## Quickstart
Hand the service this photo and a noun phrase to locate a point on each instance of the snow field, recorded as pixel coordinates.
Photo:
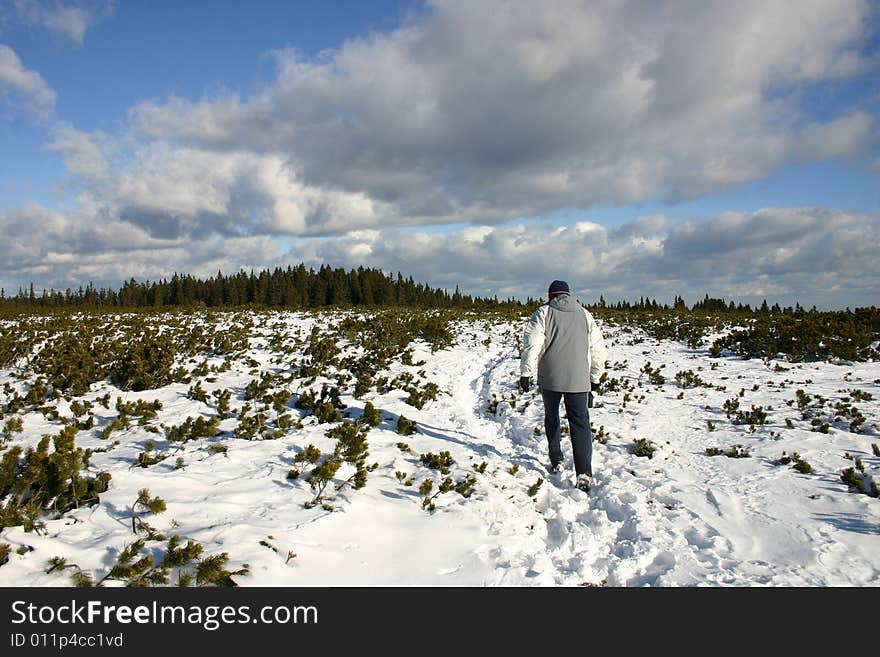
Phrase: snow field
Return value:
(680, 518)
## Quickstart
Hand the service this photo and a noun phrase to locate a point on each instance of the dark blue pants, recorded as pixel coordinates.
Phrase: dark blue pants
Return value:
(578, 423)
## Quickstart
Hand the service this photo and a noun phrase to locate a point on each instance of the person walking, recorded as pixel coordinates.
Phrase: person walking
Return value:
(563, 343)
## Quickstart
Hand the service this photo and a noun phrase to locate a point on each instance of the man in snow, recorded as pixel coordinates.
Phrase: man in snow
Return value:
(564, 342)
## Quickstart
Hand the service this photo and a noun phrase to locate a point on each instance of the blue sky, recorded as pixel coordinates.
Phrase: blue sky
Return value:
(484, 144)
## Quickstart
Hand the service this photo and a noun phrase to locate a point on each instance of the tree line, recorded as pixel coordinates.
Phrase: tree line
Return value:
(302, 287)
(293, 287)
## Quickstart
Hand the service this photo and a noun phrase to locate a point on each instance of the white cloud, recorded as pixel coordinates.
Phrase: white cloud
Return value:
(842, 136)
(87, 155)
(170, 190)
(820, 256)
(489, 110)
(69, 20)
(24, 87)
(483, 112)
(811, 255)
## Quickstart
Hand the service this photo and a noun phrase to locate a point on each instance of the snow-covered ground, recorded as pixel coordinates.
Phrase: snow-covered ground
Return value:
(680, 518)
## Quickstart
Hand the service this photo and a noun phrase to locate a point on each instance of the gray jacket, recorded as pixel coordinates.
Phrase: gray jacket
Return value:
(563, 342)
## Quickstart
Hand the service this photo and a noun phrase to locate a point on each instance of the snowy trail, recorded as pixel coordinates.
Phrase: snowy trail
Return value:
(692, 519)
(680, 518)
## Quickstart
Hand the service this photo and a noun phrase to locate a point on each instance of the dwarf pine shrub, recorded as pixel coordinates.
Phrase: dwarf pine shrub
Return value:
(223, 397)
(134, 570)
(193, 428)
(644, 447)
(533, 489)
(371, 416)
(731, 406)
(69, 363)
(197, 393)
(425, 491)
(41, 482)
(141, 409)
(351, 448)
(306, 400)
(405, 427)
(653, 374)
(442, 461)
(803, 403)
(851, 479)
(465, 487)
(148, 457)
(11, 427)
(326, 413)
(321, 477)
(145, 363)
(800, 464)
(427, 486)
(688, 379)
(80, 408)
(757, 415)
(419, 398)
(251, 426)
(211, 571)
(143, 504)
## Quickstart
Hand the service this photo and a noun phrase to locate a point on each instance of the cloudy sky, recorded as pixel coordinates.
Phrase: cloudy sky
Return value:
(628, 146)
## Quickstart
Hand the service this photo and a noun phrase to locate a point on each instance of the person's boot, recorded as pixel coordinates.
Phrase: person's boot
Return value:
(584, 482)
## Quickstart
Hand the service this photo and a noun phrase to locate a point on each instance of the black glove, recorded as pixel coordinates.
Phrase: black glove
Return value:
(525, 384)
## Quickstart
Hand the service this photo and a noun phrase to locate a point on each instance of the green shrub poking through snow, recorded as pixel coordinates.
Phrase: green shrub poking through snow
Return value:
(856, 480)
(145, 363)
(36, 482)
(405, 427)
(136, 570)
(735, 452)
(644, 447)
(371, 415)
(145, 503)
(533, 489)
(442, 461)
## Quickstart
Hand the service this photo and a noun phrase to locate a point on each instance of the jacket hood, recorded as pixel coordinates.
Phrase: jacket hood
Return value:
(565, 303)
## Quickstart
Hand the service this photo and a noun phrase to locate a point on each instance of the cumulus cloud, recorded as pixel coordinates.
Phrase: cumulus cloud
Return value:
(23, 87)
(791, 254)
(69, 21)
(483, 111)
(87, 155)
(67, 249)
(170, 191)
(810, 255)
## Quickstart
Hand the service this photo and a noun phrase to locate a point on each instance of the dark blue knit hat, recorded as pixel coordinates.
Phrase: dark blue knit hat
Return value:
(558, 287)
